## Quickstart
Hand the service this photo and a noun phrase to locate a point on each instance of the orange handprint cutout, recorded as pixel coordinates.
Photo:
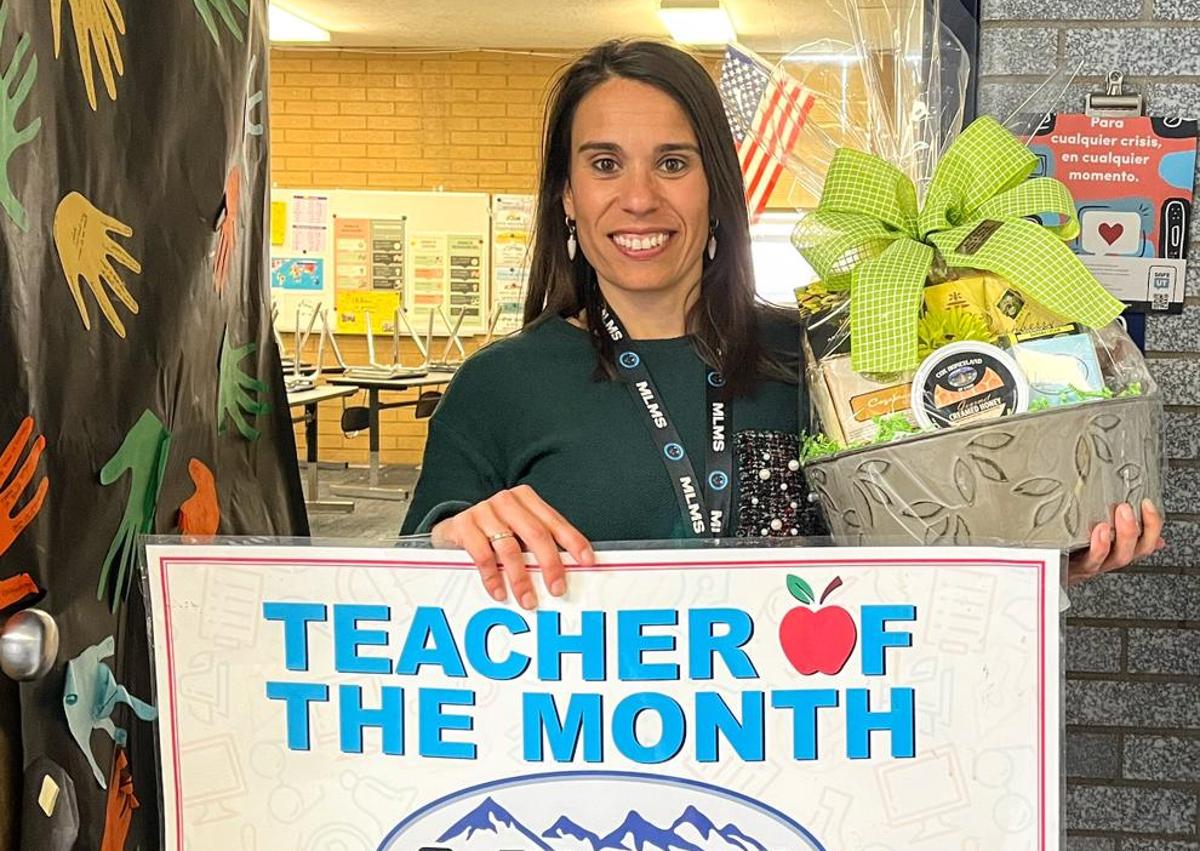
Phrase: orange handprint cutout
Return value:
(119, 805)
(227, 243)
(11, 525)
(200, 513)
(18, 592)
(86, 250)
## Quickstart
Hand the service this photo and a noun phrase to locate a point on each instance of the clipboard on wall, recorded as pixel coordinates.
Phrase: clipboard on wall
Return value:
(1133, 180)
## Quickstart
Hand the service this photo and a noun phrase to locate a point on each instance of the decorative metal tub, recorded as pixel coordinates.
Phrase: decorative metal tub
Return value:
(1039, 480)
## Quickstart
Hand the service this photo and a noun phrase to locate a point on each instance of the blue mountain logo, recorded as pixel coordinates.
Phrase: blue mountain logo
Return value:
(638, 834)
(706, 829)
(490, 817)
(490, 826)
(564, 828)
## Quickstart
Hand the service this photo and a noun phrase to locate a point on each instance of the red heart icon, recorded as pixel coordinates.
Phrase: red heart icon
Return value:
(1111, 233)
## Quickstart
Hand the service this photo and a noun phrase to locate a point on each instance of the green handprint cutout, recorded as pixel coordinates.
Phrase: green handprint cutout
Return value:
(233, 400)
(205, 8)
(10, 137)
(143, 454)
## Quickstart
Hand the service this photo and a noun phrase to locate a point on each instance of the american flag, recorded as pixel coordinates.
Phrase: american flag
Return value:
(766, 110)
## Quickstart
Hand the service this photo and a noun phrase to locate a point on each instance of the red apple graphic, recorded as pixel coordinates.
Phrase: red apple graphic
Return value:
(820, 640)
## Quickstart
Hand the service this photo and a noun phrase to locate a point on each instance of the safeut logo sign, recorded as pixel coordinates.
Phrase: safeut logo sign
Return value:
(820, 639)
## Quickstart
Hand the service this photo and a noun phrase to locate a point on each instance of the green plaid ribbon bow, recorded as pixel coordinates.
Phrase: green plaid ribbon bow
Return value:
(867, 235)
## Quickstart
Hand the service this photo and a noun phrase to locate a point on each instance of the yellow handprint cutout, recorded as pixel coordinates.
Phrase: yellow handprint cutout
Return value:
(98, 23)
(81, 234)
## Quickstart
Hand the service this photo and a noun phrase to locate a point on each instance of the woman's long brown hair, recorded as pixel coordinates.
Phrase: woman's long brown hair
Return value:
(724, 320)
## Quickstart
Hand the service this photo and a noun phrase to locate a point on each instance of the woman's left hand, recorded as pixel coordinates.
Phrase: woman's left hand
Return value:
(1112, 551)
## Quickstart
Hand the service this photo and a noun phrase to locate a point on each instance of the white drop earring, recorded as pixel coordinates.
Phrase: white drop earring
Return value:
(572, 245)
(712, 240)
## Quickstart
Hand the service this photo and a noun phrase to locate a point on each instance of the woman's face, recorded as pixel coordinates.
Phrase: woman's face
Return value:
(637, 188)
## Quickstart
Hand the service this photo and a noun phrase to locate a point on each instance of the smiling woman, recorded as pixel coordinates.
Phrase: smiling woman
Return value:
(649, 396)
(637, 148)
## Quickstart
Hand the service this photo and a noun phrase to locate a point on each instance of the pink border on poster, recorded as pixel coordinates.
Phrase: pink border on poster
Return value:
(1040, 566)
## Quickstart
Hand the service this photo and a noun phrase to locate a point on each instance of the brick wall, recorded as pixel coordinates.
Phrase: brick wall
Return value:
(1133, 638)
(458, 121)
(462, 121)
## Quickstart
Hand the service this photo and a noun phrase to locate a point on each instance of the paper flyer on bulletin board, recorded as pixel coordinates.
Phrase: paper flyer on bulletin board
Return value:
(354, 306)
(351, 254)
(310, 223)
(279, 223)
(1133, 180)
(388, 254)
(512, 224)
(466, 277)
(847, 699)
(369, 257)
(427, 258)
(298, 273)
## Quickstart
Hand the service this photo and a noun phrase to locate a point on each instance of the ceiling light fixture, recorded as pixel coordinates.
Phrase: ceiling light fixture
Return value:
(699, 22)
(286, 26)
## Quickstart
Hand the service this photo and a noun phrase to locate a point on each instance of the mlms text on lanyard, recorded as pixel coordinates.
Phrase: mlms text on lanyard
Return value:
(704, 506)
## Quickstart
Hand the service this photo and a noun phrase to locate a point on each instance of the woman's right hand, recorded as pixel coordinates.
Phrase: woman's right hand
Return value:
(495, 532)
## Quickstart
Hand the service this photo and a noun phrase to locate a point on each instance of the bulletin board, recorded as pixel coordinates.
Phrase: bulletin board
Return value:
(362, 251)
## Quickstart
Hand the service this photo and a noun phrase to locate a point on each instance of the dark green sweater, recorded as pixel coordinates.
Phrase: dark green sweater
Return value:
(526, 410)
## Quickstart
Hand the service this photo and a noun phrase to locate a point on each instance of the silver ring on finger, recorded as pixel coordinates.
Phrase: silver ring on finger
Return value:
(500, 536)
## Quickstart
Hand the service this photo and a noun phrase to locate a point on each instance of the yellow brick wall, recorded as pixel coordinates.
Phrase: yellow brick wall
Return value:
(464, 121)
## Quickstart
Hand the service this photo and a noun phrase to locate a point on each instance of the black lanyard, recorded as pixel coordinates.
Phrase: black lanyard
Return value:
(704, 505)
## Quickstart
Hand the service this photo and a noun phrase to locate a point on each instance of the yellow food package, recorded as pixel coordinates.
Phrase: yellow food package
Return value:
(848, 402)
(992, 299)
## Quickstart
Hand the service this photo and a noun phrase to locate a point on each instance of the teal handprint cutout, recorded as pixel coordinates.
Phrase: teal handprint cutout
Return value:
(11, 101)
(206, 7)
(235, 389)
(90, 695)
(253, 100)
(143, 454)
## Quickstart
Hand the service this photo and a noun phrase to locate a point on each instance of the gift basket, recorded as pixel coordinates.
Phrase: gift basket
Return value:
(969, 378)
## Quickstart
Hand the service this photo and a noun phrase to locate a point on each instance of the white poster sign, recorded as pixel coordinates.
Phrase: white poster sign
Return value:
(769, 699)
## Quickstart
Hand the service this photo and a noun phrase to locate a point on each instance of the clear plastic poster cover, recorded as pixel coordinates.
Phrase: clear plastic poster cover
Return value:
(375, 696)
